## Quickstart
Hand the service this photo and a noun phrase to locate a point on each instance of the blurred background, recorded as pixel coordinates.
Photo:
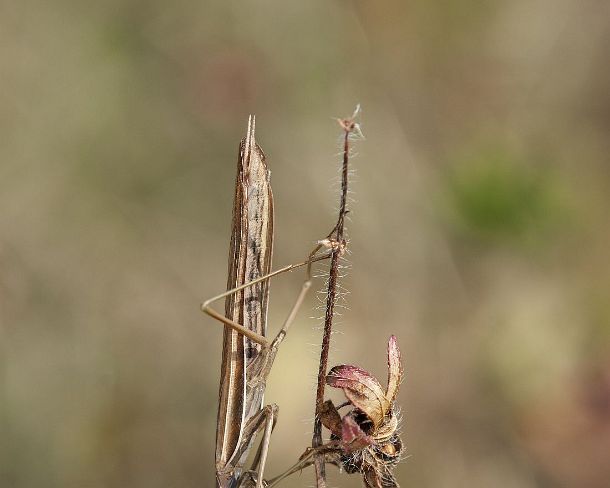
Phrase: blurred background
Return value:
(479, 230)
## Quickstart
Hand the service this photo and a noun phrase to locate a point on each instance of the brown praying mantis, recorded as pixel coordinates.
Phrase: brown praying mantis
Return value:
(247, 354)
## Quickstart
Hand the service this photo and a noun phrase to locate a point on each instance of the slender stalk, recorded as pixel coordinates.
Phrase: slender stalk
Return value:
(337, 240)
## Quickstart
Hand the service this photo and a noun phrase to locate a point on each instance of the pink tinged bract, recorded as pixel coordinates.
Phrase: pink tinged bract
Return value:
(364, 391)
(361, 389)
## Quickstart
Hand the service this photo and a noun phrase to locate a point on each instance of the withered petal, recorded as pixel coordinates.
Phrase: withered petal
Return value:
(330, 418)
(389, 481)
(371, 478)
(361, 389)
(395, 370)
(352, 436)
(379, 477)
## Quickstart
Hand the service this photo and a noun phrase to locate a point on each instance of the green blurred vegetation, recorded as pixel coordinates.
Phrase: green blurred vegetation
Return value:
(496, 196)
(478, 231)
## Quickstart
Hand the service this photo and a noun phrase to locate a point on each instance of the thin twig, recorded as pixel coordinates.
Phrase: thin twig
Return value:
(337, 242)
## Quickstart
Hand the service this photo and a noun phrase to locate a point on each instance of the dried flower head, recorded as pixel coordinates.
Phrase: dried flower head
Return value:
(367, 436)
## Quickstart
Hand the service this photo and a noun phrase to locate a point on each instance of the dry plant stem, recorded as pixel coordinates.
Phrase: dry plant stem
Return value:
(337, 235)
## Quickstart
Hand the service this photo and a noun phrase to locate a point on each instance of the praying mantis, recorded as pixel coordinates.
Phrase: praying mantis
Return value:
(247, 353)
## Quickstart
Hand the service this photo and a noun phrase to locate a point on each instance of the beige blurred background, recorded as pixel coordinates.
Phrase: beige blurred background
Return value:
(479, 229)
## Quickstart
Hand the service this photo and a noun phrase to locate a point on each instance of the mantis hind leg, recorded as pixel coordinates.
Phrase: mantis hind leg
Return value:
(263, 421)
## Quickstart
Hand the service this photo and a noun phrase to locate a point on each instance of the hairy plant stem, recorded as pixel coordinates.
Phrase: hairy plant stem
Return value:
(337, 239)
